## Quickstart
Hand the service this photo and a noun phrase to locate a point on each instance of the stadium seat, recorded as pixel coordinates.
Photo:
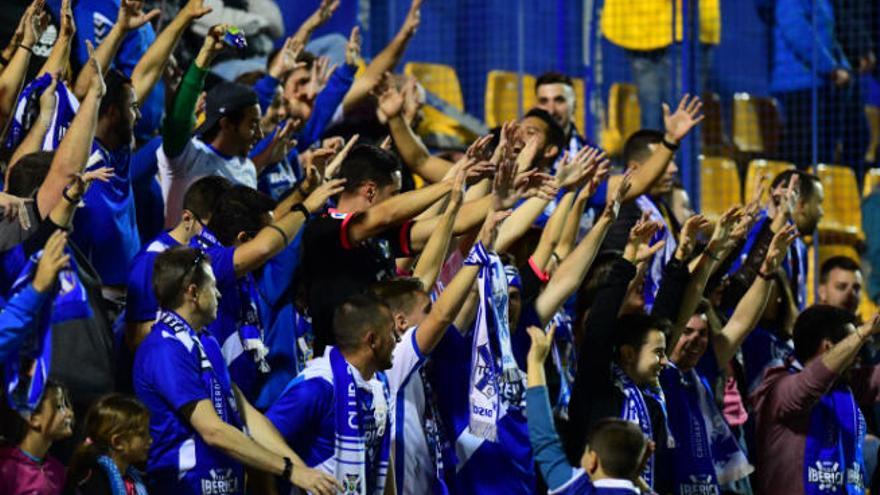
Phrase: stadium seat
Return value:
(866, 306)
(843, 214)
(756, 124)
(580, 105)
(624, 117)
(715, 141)
(719, 186)
(502, 93)
(872, 180)
(442, 81)
(759, 168)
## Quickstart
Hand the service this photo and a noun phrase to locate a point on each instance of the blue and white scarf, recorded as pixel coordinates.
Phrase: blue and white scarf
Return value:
(706, 452)
(117, 484)
(658, 262)
(26, 374)
(220, 389)
(250, 329)
(495, 376)
(305, 340)
(635, 410)
(351, 454)
(833, 460)
(27, 110)
(564, 359)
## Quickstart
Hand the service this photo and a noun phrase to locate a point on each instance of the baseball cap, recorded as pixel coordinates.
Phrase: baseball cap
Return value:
(224, 99)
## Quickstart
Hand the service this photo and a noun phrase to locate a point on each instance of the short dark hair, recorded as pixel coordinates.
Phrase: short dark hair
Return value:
(398, 294)
(817, 323)
(555, 132)
(116, 83)
(634, 328)
(806, 182)
(241, 209)
(355, 317)
(620, 445)
(202, 195)
(233, 116)
(174, 270)
(553, 78)
(837, 262)
(637, 146)
(28, 173)
(365, 163)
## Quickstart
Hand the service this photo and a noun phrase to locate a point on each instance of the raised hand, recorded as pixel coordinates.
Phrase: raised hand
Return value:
(778, 249)
(353, 47)
(52, 261)
(412, 100)
(333, 167)
(314, 481)
(413, 19)
(637, 248)
(36, 23)
(685, 118)
(48, 101)
(212, 45)
(541, 343)
(68, 26)
(723, 240)
(612, 208)
(321, 71)
(322, 193)
(285, 61)
(489, 230)
(687, 239)
(534, 184)
(131, 15)
(527, 154)
(871, 326)
(96, 84)
(390, 102)
(195, 9)
(12, 206)
(280, 145)
(326, 10)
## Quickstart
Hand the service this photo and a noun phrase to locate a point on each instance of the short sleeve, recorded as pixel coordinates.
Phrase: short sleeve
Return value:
(223, 264)
(140, 302)
(299, 409)
(406, 361)
(399, 240)
(176, 374)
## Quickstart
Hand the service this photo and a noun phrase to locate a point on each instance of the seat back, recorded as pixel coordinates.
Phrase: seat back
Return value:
(720, 186)
(502, 94)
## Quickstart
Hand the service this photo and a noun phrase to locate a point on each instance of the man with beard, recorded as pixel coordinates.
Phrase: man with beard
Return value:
(840, 283)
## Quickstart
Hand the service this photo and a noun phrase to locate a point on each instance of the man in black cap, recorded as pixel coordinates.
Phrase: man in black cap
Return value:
(223, 141)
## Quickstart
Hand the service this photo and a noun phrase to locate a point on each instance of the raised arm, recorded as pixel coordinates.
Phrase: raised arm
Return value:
(750, 308)
(60, 54)
(319, 17)
(386, 60)
(180, 121)
(270, 240)
(33, 140)
(151, 65)
(73, 152)
(678, 125)
(129, 18)
(434, 253)
(13, 75)
(447, 306)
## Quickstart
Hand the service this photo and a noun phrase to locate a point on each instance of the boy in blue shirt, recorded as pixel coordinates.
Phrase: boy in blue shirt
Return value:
(198, 416)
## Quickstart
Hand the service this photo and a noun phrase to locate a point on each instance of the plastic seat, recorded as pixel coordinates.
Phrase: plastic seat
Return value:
(624, 117)
(715, 142)
(827, 251)
(442, 81)
(756, 124)
(872, 180)
(502, 94)
(843, 213)
(759, 168)
(580, 104)
(719, 186)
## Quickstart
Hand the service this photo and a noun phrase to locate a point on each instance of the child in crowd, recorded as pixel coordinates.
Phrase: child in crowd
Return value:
(25, 466)
(117, 429)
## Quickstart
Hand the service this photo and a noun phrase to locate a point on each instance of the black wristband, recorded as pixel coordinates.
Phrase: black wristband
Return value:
(765, 276)
(283, 234)
(302, 209)
(668, 145)
(288, 469)
(68, 198)
(28, 48)
(3, 60)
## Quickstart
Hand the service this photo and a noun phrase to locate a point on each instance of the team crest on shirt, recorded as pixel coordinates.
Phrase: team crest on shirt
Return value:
(220, 482)
(351, 485)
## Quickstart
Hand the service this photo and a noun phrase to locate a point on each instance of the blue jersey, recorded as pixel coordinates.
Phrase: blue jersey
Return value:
(140, 302)
(167, 377)
(105, 229)
(506, 466)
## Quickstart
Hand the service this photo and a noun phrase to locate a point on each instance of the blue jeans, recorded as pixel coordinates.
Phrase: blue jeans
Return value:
(657, 74)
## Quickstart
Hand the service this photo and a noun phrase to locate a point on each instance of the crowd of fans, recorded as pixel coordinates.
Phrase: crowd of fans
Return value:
(250, 295)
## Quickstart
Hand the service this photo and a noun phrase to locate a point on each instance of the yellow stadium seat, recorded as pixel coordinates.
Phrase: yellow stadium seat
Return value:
(872, 180)
(624, 117)
(843, 213)
(442, 81)
(502, 91)
(719, 186)
(765, 168)
(580, 104)
(866, 306)
(756, 124)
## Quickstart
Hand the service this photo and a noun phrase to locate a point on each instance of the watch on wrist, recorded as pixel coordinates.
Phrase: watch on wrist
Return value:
(670, 145)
